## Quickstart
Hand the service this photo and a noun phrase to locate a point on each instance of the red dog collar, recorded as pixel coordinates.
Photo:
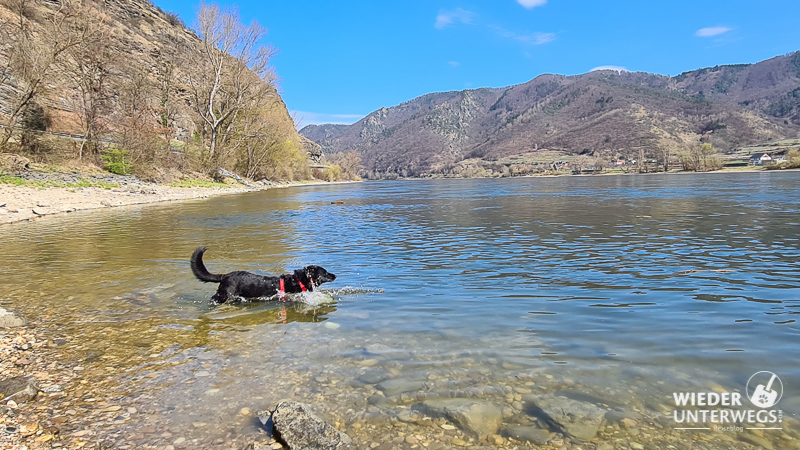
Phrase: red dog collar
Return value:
(282, 287)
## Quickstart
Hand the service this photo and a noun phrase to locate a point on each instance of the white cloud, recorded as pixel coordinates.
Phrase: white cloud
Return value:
(530, 4)
(454, 63)
(449, 17)
(711, 31)
(303, 118)
(526, 38)
(542, 38)
(616, 68)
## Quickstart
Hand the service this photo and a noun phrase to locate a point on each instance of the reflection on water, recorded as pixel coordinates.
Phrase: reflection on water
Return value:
(272, 312)
(623, 289)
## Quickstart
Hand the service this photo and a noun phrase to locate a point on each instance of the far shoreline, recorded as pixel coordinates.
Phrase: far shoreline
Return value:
(24, 203)
(602, 174)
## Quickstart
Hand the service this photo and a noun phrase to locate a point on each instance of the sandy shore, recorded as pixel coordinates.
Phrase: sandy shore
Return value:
(19, 203)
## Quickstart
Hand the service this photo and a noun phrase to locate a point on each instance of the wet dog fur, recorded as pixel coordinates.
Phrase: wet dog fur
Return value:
(247, 285)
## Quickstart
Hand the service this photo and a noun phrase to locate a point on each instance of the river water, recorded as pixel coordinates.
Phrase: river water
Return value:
(616, 291)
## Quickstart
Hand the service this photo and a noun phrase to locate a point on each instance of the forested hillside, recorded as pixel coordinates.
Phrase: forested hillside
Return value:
(139, 92)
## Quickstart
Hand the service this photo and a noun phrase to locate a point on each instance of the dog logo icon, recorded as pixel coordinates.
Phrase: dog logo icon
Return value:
(764, 395)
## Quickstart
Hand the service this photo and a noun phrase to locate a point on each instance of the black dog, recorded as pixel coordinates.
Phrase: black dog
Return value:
(249, 285)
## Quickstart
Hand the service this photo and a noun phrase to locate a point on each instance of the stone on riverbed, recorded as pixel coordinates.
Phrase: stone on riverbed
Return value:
(530, 434)
(623, 416)
(475, 417)
(374, 376)
(378, 400)
(20, 389)
(398, 386)
(9, 319)
(756, 441)
(298, 428)
(578, 420)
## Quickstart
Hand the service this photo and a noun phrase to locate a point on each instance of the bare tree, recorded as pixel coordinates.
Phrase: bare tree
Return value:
(599, 164)
(6, 48)
(349, 161)
(166, 71)
(688, 160)
(32, 54)
(665, 149)
(232, 71)
(581, 163)
(255, 137)
(135, 122)
(699, 158)
(641, 162)
(88, 69)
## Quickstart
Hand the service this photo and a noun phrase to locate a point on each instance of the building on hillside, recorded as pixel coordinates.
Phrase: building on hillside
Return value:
(759, 159)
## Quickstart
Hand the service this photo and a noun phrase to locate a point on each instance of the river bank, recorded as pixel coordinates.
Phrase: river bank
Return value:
(35, 194)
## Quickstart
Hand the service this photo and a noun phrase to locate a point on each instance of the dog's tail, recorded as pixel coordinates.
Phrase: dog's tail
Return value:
(199, 269)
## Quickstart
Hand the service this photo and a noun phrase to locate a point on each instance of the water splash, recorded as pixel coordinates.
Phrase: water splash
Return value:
(350, 290)
(314, 298)
(323, 297)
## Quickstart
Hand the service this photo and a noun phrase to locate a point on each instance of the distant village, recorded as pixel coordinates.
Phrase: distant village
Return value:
(741, 159)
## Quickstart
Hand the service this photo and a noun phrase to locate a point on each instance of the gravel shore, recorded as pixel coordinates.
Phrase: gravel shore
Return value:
(26, 419)
(19, 203)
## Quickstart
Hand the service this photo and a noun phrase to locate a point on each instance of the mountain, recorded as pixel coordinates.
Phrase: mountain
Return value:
(318, 133)
(604, 114)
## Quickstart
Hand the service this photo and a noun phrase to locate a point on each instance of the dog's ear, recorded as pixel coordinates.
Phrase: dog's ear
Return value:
(311, 272)
(319, 274)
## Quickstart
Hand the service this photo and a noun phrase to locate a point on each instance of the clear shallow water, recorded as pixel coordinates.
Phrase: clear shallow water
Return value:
(623, 288)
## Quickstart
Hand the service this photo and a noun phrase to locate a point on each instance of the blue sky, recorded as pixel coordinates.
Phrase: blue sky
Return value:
(341, 60)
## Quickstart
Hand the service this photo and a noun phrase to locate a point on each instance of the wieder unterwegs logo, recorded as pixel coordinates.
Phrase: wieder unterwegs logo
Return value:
(725, 411)
(764, 395)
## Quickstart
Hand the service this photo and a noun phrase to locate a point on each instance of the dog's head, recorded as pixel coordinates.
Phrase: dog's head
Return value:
(318, 274)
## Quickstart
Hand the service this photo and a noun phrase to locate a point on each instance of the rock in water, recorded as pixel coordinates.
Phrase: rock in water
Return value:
(20, 389)
(374, 376)
(9, 320)
(475, 417)
(579, 420)
(527, 433)
(298, 428)
(398, 386)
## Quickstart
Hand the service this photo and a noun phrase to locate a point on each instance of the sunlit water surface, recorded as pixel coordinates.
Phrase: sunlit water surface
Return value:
(624, 289)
